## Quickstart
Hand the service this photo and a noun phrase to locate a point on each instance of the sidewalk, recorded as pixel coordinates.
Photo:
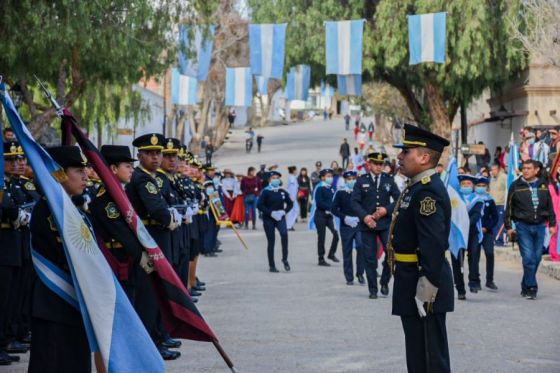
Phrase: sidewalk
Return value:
(547, 266)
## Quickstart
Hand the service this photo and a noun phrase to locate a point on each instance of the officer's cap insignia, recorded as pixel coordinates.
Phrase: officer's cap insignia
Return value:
(151, 187)
(153, 140)
(13, 149)
(379, 157)
(427, 206)
(29, 186)
(112, 212)
(425, 180)
(170, 144)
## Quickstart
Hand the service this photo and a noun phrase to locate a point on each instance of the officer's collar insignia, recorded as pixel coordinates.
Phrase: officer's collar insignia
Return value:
(153, 140)
(112, 212)
(170, 144)
(151, 188)
(425, 180)
(427, 206)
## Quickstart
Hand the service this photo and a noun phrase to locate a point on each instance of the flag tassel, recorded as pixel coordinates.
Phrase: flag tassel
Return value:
(224, 355)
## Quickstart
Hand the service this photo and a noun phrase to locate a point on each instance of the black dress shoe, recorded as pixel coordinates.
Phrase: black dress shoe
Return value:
(333, 258)
(287, 266)
(491, 285)
(473, 289)
(322, 263)
(5, 358)
(462, 296)
(210, 255)
(200, 283)
(168, 355)
(194, 293)
(171, 343)
(292, 229)
(373, 296)
(16, 348)
(218, 251)
(273, 270)
(361, 279)
(349, 283)
(194, 300)
(384, 290)
(199, 288)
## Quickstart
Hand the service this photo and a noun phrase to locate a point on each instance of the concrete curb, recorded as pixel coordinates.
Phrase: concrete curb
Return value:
(547, 266)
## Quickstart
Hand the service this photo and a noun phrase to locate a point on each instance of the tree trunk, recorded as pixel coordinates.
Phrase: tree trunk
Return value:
(441, 125)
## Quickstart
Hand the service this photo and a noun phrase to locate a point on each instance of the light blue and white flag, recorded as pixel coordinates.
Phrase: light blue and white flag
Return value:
(326, 90)
(512, 165)
(426, 37)
(298, 81)
(344, 41)
(349, 85)
(262, 84)
(460, 223)
(183, 88)
(195, 55)
(239, 86)
(266, 49)
(112, 326)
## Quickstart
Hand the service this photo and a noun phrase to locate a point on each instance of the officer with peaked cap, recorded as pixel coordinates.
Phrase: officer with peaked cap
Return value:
(373, 200)
(418, 240)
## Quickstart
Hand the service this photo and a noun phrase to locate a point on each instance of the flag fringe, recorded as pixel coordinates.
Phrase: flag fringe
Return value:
(60, 175)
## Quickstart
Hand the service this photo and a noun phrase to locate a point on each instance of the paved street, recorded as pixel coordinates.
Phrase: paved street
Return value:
(309, 320)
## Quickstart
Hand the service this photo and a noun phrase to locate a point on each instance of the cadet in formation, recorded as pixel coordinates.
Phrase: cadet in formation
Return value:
(373, 200)
(321, 216)
(419, 233)
(274, 202)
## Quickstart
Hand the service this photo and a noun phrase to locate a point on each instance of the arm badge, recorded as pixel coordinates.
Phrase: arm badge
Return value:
(29, 186)
(112, 212)
(151, 188)
(427, 206)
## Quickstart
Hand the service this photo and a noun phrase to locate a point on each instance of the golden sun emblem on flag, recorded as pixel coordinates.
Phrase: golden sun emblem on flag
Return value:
(454, 203)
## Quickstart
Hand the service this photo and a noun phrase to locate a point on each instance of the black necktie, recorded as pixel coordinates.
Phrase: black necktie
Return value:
(375, 181)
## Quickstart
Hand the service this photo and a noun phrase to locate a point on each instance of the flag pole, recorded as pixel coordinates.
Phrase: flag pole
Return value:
(224, 355)
(239, 236)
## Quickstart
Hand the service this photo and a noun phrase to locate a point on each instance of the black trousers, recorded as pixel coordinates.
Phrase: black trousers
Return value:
(474, 259)
(369, 252)
(58, 348)
(488, 246)
(322, 222)
(350, 236)
(457, 265)
(269, 226)
(8, 274)
(427, 350)
(303, 206)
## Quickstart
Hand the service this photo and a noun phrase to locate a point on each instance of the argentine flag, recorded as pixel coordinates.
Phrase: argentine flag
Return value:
(349, 85)
(195, 56)
(459, 234)
(183, 89)
(112, 326)
(326, 90)
(344, 41)
(298, 81)
(266, 49)
(426, 37)
(262, 85)
(239, 86)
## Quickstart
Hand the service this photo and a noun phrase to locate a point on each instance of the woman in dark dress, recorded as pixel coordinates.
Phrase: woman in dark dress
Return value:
(303, 193)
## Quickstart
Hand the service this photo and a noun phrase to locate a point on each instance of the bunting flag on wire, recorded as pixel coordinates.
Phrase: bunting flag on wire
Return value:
(426, 37)
(266, 49)
(298, 81)
(239, 86)
(349, 85)
(326, 90)
(183, 89)
(198, 65)
(344, 41)
(112, 326)
(262, 84)
(460, 223)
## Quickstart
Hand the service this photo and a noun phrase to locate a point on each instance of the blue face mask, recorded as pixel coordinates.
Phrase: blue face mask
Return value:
(275, 183)
(466, 190)
(329, 180)
(531, 141)
(480, 190)
(350, 183)
(216, 181)
(209, 190)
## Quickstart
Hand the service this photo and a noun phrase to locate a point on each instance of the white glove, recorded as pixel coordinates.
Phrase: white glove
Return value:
(176, 219)
(352, 221)
(426, 292)
(278, 214)
(420, 306)
(146, 263)
(196, 208)
(22, 220)
(188, 214)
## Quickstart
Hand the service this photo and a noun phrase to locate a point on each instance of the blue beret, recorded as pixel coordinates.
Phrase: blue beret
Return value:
(350, 174)
(325, 171)
(467, 177)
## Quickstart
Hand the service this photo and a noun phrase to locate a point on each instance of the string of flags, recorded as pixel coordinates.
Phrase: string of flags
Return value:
(343, 55)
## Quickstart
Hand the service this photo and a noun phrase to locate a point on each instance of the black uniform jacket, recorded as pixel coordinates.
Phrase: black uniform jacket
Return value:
(422, 227)
(273, 200)
(10, 238)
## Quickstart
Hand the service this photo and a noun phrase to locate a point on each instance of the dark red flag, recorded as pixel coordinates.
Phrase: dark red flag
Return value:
(180, 315)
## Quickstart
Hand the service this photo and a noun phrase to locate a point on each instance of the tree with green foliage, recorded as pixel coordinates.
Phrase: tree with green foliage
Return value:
(89, 53)
(480, 51)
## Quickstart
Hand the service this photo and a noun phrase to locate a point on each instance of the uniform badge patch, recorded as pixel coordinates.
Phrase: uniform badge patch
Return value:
(151, 187)
(29, 186)
(427, 206)
(112, 212)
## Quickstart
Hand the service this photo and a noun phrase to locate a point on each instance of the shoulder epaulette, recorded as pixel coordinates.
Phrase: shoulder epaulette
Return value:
(426, 180)
(101, 191)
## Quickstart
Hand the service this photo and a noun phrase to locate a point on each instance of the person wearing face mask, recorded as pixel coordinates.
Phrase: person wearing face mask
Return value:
(211, 242)
(373, 200)
(350, 235)
(489, 222)
(321, 216)
(274, 202)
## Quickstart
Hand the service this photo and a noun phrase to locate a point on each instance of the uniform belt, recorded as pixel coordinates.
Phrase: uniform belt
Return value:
(406, 258)
(113, 245)
(5, 226)
(150, 222)
(201, 212)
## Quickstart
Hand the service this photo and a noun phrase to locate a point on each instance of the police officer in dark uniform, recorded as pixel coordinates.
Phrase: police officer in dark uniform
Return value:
(373, 200)
(349, 233)
(423, 285)
(323, 219)
(274, 202)
(60, 342)
(111, 226)
(160, 219)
